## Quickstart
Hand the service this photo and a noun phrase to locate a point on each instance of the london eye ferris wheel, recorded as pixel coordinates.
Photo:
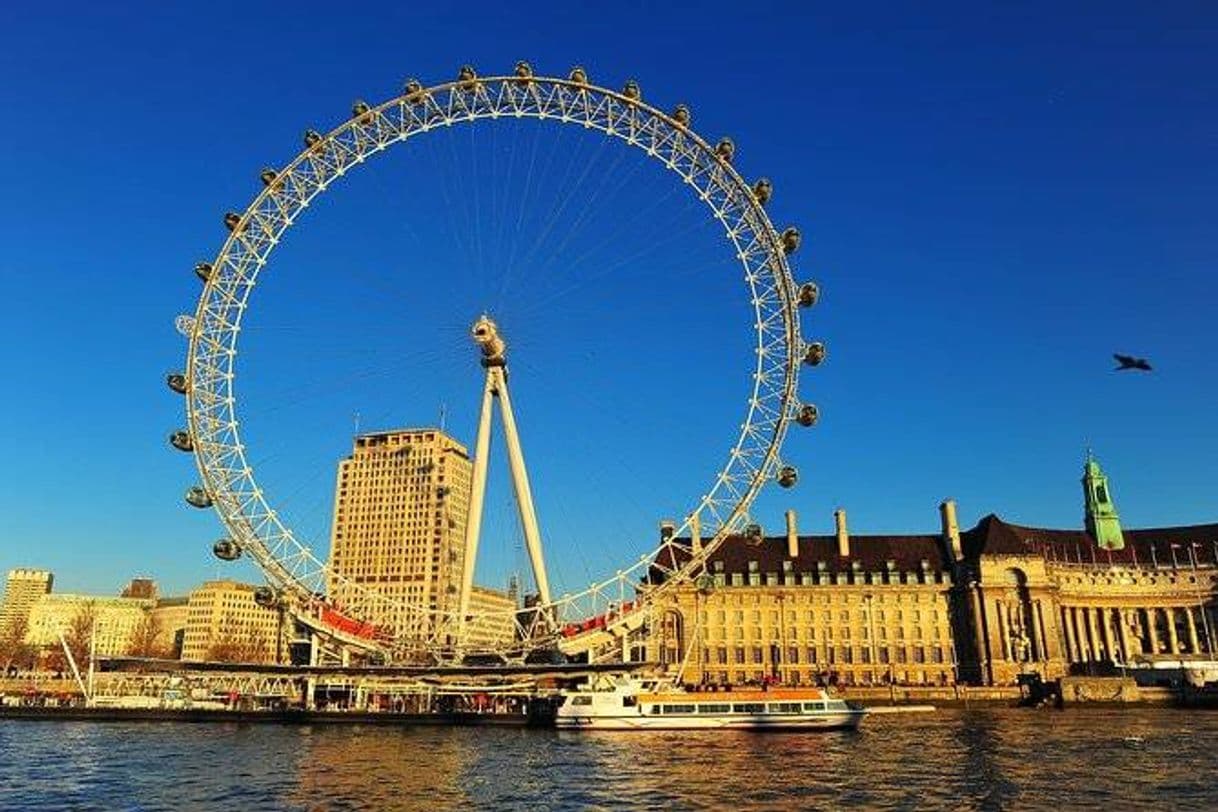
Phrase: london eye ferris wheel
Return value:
(596, 617)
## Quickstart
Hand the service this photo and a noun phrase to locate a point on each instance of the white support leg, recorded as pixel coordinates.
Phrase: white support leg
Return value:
(524, 495)
(473, 524)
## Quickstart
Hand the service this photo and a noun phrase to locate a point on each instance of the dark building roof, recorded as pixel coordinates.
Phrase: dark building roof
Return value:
(990, 536)
(1145, 546)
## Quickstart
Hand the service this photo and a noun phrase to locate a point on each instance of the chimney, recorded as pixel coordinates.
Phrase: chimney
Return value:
(695, 533)
(843, 538)
(792, 536)
(951, 530)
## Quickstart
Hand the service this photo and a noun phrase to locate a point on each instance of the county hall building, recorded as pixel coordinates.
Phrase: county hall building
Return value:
(977, 606)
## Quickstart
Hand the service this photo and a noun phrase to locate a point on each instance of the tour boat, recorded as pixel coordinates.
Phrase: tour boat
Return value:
(634, 704)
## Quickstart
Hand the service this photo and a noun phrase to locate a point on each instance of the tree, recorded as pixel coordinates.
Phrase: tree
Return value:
(79, 636)
(239, 644)
(146, 638)
(14, 651)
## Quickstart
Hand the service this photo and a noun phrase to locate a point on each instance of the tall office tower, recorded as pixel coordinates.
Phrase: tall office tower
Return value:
(22, 589)
(401, 502)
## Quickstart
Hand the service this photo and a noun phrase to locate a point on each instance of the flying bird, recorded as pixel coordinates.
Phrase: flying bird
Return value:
(1125, 362)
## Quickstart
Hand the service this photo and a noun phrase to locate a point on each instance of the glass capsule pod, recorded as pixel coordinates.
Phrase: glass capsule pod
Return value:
(814, 354)
(360, 110)
(232, 220)
(414, 91)
(265, 596)
(578, 75)
(753, 533)
(681, 115)
(763, 190)
(198, 497)
(808, 415)
(182, 441)
(808, 294)
(176, 382)
(524, 72)
(791, 240)
(312, 138)
(203, 271)
(787, 476)
(467, 77)
(267, 176)
(226, 550)
(726, 150)
(632, 91)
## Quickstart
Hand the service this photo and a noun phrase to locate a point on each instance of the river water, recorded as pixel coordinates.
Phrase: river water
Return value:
(952, 759)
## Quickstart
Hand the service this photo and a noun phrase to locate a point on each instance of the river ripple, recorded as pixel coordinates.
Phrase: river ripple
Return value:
(953, 759)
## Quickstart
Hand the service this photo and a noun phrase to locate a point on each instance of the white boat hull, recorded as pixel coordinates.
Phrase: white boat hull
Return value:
(835, 720)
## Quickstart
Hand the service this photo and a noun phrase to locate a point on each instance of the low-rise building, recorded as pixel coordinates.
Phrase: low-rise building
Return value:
(224, 622)
(111, 622)
(492, 622)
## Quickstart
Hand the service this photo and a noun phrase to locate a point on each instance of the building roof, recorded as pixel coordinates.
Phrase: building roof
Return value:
(990, 536)
(993, 536)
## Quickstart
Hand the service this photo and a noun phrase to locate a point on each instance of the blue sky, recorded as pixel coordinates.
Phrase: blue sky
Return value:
(994, 200)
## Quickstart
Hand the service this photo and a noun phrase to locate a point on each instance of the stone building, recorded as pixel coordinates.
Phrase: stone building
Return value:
(982, 606)
(223, 622)
(491, 624)
(401, 503)
(169, 617)
(22, 589)
(116, 620)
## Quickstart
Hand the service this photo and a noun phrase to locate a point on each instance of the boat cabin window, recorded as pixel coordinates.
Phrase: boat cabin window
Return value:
(749, 707)
(714, 707)
(678, 708)
(784, 707)
(582, 700)
(629, 701)
(814, 706)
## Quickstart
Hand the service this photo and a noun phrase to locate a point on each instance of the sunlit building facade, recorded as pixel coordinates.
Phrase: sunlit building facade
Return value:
(223, 621)
(987, 605)
(401, 503)
(22, 588)
(112, 621)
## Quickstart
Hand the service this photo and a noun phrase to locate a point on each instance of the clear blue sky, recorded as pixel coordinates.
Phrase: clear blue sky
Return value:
(993, 199)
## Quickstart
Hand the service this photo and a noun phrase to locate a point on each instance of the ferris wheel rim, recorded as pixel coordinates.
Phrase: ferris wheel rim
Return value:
(284, 562)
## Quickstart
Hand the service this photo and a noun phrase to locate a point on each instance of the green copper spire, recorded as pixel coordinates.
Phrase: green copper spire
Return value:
(1103, 523)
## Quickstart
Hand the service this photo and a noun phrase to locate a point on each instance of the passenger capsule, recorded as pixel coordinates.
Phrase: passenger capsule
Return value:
(232, 220)
(360, 109)
(414, 91)
(791, 240)
(578, 75)
(763, 190)
(681, 115)
(177, 382)
(267, 176)
(312, 138)
(524, 72)
(787, 476)
(808, 415)
(726, 150)
(753, 534)
(808, 295)
(467, 77)
(203, 271)
(181, 441)
(632, 91)
(814, 354)
(197, 497)
(226, 550)
(265, 596)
